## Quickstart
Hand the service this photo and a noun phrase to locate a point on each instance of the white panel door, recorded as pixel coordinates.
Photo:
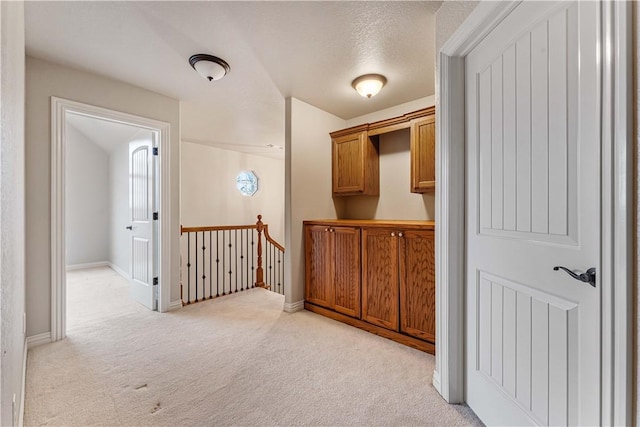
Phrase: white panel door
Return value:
(533, 203)
(141, 203)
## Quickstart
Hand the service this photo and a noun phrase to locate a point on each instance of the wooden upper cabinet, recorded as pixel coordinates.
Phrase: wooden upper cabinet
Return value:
(346, 269)
(355, 165)
(319, 284)
(380, 277)
(417, 284)
(355, 161)
(423, 154)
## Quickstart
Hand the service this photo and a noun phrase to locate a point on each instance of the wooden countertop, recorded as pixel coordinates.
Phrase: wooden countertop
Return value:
(373, 223)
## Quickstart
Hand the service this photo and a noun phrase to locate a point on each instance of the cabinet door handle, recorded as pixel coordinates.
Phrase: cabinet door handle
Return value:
(400, 234)
(331, 230)
(326, 229)
(393, 234)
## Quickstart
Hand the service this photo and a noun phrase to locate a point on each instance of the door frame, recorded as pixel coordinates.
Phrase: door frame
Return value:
(616, 210)
(59, 108)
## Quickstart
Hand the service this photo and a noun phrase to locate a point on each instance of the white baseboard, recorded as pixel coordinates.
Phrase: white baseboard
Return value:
(36, 340)
(436, 381)
(24, 385)
(119, 270)
(292, 307)
(175, 305)
(87, 265)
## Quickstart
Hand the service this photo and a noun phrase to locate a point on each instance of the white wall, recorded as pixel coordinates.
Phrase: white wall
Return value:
(119, 247)
(209, 195)
(87, 200)
(308, 183)
(43, 80)
(12, 222)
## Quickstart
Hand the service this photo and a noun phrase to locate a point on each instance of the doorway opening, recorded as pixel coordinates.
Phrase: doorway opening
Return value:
(107, 205)
(99, 186)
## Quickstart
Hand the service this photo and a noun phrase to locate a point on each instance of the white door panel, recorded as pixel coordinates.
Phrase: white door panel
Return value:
(141, 203)
(533, 334)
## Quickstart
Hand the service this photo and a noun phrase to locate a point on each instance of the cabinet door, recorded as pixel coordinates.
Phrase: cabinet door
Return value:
(318, 280)
(380, 277)
(418, 284)
(355, 165)
(346, 270)
(423, 154)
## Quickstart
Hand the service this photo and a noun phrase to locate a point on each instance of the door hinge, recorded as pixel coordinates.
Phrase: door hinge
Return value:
(155, 216)
(155, 293)
(155, 151)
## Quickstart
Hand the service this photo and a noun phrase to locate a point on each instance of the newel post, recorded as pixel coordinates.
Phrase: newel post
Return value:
(259, 271)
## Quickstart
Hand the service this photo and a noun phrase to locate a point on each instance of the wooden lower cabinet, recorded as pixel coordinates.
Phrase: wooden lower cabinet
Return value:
(318, 256)
(380, 277)
(390, 265)
(346, 269)
(418, 284)
(332, 271)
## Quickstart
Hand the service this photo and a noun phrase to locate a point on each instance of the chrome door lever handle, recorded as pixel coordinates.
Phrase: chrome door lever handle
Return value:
(588, 277)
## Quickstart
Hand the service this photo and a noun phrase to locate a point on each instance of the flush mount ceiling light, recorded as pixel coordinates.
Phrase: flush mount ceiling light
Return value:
(208, 66)
(369, 84)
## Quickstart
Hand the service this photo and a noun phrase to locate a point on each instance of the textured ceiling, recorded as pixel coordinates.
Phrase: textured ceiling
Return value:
(308, 50)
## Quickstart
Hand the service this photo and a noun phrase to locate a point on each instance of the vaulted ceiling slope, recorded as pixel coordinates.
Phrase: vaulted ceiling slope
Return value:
(106, 134)
(308, 50)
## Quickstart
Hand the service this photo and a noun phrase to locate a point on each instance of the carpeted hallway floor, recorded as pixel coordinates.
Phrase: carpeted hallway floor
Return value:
(236, 360)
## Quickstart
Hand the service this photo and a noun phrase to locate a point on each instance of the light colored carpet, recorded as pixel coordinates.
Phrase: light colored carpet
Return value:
(235, 360)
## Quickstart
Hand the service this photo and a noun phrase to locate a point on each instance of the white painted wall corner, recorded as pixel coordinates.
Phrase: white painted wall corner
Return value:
(436, 381)
(119, 270)
(40, 339)
(175, 305)
(292, 307)
(24, 385)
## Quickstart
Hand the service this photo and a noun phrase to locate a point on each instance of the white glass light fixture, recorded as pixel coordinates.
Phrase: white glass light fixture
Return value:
(208, 66)
(369, 84)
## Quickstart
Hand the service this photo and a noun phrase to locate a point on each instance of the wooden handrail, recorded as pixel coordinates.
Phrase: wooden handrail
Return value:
(216, 228)
(270, 239)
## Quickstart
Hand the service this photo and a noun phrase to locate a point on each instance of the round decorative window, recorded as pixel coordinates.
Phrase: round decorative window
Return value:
(247, 183)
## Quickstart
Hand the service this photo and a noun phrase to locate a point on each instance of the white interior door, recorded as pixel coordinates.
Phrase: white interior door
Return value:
(533, 203)
(141, 204)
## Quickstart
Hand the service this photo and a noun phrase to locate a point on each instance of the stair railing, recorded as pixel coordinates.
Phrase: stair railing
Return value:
(221, 260)
(274, 261)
